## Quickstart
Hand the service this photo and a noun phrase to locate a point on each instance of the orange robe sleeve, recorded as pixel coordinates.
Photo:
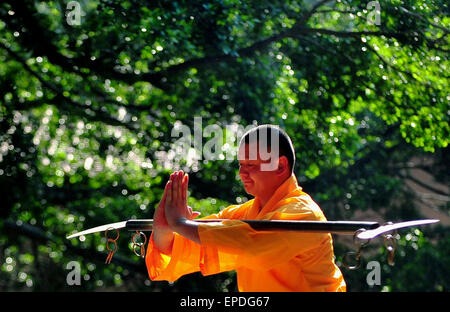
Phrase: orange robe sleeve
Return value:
(186, 257)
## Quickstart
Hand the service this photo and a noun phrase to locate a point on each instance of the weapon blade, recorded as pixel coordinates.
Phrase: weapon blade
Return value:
(102, 228)
(390, 227)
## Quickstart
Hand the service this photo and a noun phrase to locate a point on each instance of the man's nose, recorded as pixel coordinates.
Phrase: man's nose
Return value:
(242, 171)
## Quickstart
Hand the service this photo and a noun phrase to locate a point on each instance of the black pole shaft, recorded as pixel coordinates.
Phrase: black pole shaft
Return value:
(341, 227)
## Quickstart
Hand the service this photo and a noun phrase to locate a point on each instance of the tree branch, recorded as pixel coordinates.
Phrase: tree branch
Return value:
(61, 99)
(387, 64)
(41, 43)
(351, 34)
(247, 51)
(435, 197)
(310, 13)
(259, 45)
(446, 30)
(424, 185)
(337, 11)
(157, 78)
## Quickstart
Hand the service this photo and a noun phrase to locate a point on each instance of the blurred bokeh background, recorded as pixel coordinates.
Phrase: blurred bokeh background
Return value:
(90, 92)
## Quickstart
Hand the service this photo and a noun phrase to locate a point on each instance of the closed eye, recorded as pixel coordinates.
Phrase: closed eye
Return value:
(247, 166)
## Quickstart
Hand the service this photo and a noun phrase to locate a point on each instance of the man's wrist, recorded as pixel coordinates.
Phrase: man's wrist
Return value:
(179, 223)
(187, 228)
(163, 239)
(163, 230)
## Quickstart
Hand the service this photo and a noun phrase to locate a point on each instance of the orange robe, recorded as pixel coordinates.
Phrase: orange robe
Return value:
(263, 260)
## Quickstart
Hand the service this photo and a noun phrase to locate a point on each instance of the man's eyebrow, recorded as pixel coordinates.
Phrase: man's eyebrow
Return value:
(249, 162)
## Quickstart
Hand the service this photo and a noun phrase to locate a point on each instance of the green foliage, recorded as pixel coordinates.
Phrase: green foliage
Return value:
(86, 114)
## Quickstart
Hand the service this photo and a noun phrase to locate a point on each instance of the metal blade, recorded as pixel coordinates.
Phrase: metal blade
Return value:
(390, 227)
(102, 228)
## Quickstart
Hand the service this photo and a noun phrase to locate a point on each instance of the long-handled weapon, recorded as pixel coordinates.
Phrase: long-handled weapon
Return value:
(363, 231)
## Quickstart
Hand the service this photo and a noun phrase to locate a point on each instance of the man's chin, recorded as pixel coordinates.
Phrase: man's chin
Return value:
(248, 187)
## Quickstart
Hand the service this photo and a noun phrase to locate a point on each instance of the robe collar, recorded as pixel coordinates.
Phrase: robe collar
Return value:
(288, 188)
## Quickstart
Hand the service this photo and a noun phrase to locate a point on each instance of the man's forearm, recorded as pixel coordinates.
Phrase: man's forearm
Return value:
(187, 229)
(163, 240)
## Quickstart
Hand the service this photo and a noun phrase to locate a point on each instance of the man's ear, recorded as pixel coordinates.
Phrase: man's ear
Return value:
(283, 165)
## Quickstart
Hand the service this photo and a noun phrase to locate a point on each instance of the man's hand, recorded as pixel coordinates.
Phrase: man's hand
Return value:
(159, 218)
(176, 199)
(177, 212)
(162, 232)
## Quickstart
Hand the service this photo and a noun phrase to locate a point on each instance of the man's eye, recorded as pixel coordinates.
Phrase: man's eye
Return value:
(247, 166)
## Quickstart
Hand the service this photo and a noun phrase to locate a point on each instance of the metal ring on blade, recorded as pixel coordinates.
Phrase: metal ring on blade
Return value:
(352, 260)
(114, 249)
(140, 245)
(390, 244)
(113, 229)
(358, 241)
(394, 233)
(140, 234)
(111, 240)
(141, 252)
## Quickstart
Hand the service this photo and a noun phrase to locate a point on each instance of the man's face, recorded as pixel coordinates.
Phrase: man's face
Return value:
(256, 182)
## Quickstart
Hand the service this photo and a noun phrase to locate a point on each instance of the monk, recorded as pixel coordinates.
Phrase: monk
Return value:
(268, 261)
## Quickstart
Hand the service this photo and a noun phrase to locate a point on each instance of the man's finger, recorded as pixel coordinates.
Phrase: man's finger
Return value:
(169, 192)
(164, 196)
(172, 176)
(185, 187)
(178, 186)
(193, 214)
(174, 186)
